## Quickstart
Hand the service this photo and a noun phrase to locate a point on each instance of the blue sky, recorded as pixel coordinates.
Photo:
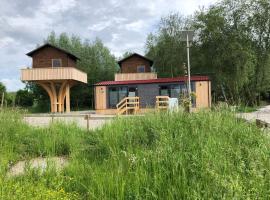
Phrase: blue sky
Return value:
(122, 26)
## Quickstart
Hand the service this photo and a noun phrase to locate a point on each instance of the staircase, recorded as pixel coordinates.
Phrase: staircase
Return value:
(162, 102)
(128, 105)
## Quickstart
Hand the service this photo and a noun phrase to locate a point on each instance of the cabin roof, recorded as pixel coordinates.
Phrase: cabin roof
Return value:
(31, 53)
(149, 81)
(138, 55)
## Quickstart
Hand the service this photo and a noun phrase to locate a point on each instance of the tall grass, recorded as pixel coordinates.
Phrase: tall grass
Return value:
(205, 155)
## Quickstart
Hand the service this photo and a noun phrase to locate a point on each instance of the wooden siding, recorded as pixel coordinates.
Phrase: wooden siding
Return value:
(59, 73)
(130, 65)
(135, 76)
(100, 98)
(203, 94)
(43, 58)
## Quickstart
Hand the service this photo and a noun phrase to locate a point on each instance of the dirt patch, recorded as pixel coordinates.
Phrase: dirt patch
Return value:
(37, 163)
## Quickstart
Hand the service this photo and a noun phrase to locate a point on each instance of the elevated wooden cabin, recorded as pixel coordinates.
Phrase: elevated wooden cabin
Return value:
(137, 88)
(55, 70)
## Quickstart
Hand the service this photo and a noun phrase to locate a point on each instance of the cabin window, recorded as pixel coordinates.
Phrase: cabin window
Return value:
(141, 69)
(175, 91)
(56, 63)
(164, 90)
(116, 94)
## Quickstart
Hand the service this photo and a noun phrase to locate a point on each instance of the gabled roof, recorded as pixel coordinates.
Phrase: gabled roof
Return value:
(135, 54)
(31, 53)
(149, 81)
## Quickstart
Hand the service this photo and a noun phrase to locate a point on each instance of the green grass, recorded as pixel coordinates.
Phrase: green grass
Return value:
(205, 155)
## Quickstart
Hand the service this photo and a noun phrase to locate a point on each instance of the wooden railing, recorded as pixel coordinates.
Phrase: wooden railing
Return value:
(135, 76)
(57, 73)
(162, 102)
(128, 105)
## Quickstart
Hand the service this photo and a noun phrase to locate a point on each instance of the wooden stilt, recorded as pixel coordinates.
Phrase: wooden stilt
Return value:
(53, 89)
(61, 96)
(49, 91)
(67, 97)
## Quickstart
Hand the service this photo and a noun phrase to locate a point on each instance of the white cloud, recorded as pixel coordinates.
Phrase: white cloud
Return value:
(12, 85)
(5, 41)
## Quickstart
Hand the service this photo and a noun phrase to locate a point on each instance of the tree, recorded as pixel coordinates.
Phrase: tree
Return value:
(231, 45)
(24, 98)
(165, 47)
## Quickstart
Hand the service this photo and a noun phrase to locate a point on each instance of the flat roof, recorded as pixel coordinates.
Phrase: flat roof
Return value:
(149, 81)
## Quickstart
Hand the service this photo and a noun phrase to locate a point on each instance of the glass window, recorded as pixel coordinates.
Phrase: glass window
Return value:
(122, 93)
(141, 69)
(175, 91)
(113, 97)
(116, 94)
(56, 63)
(164, 91)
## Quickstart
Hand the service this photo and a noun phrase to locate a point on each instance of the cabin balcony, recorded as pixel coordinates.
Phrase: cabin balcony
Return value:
(53, 74)
(135, 76)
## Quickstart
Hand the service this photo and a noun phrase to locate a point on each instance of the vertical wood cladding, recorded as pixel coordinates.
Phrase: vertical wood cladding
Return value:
(43, 58)
(130, 65)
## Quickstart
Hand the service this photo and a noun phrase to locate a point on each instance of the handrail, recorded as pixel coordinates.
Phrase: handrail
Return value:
(128, 103)
(162, 102)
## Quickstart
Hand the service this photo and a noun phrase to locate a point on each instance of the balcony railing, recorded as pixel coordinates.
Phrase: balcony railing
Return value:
(135, 76)
(59, 73)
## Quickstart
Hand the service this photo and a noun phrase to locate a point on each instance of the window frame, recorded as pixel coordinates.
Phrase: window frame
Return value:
(139, 67)
(59, 59)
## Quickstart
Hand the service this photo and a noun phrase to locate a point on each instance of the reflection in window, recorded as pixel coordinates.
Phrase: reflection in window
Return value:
(56, 63)
(141, 69)
(113, 97)
(164, 91)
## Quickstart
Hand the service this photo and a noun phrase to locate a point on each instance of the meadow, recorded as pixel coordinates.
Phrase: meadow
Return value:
(204, 155)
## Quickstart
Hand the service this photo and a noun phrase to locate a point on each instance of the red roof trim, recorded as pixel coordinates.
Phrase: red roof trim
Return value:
(149, 81)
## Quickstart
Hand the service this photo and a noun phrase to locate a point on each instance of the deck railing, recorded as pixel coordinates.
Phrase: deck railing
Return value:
(57, 73)
(127, 104)
(162, 102)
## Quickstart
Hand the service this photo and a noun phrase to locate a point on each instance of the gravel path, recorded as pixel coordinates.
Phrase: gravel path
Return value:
(262, 114)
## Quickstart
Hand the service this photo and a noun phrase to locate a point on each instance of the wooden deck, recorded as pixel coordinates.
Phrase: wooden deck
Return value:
(59, 73)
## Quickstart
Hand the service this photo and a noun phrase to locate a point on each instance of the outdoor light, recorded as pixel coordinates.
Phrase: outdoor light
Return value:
(187, 36)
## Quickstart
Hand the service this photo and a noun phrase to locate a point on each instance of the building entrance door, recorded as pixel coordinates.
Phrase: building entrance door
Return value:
(132, 92)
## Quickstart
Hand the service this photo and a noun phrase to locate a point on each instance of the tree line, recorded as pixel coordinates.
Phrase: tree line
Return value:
(231, 45)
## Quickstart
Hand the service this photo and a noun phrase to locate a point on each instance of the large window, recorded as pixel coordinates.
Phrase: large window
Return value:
(164, 90)
(176, 90)
(116, 94)
(56, 63)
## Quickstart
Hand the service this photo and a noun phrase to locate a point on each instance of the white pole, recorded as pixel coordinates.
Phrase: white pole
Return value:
(189, 84)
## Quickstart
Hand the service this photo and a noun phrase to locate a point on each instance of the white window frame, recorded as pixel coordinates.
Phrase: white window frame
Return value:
(141, 66)
(57, 59)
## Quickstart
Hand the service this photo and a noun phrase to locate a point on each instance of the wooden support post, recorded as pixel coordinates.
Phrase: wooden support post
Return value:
(87, 118)
(54, 95)
(67, 97)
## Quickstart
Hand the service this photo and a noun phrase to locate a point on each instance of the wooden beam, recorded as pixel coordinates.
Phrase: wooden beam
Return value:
(61, 96)
(67, 97)
(49, 92)
(55, 102)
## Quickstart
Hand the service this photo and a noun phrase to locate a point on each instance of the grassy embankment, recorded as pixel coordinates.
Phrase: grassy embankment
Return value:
(159, 156)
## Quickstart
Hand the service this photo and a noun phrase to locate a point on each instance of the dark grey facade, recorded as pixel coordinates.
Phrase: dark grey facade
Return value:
(146, 92)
